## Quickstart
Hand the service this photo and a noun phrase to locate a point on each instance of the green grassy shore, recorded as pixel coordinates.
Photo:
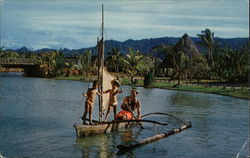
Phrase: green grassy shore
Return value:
(238, 92)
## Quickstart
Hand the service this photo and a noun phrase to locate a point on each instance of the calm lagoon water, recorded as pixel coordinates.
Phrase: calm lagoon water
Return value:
(37, 117)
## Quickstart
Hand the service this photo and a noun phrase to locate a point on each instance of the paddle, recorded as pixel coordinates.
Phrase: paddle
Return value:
(136, 120)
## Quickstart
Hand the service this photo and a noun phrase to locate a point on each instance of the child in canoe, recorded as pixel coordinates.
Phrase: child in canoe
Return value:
(113, 97)
(89, 103)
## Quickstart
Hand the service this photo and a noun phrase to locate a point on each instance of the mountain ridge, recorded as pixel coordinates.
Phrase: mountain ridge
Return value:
(143, 45)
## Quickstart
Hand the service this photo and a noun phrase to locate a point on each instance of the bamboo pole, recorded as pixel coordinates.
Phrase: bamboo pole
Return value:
(120, 121)
(102, 63)
(155, 138)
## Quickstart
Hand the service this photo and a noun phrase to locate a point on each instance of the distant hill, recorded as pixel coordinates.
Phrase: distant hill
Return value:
(144, 45)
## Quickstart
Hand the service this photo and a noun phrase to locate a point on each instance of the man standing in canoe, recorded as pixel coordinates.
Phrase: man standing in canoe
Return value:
(129, 105)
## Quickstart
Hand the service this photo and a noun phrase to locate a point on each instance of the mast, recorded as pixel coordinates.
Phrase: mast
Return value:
(102, 56)
(99, 77)
(101, 66)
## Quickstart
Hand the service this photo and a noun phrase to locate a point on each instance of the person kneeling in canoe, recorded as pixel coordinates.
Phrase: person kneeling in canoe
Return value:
(89, 103)
(129, 105)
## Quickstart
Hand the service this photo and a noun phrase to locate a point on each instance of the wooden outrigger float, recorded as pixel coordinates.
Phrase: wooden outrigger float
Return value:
(184, 125)
(102, 127)
(154, 138)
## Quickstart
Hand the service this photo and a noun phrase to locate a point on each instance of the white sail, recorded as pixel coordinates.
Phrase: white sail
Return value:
(106, 84)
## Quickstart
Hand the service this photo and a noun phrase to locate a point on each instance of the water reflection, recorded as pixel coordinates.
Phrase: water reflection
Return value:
(129, 136)
(95, 146)
(11, 74)
(190, 99)
(104, 145)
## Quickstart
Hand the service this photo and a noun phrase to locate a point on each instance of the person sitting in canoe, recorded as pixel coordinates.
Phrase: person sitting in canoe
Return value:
(113, 97)
(89, 103)
(129, 105)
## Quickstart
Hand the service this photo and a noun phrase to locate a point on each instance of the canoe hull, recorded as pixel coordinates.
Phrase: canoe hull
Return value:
(89, 130)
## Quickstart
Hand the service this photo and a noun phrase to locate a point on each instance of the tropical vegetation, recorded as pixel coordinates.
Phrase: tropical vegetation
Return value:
(182, 61)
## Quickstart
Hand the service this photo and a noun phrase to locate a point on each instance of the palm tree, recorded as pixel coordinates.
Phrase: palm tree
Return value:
(237, 65)
(219, 70)
(167, 53)
(113, 60)
(86, 61)
(208, 42)
(53, 63)
(182, 64)
(134, 63)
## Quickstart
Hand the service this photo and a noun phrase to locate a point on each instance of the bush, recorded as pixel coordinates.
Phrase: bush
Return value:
(148, 79)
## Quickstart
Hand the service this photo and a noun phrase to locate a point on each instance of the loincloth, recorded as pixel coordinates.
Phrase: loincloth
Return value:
(128, 114)
(91, 102)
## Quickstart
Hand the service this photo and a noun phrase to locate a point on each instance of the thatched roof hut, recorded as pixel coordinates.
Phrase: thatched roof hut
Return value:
(184, 44)
(187, 46)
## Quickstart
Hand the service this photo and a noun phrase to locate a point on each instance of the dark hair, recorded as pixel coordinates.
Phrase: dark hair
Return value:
(95, 82)
(135, 90)
(115, 82)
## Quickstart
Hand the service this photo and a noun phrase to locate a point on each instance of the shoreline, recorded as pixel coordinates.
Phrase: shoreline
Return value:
(237, 92)
(232, 91)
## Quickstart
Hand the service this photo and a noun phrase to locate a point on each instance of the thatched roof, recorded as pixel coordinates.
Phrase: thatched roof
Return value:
(187, 46)
(184, 44)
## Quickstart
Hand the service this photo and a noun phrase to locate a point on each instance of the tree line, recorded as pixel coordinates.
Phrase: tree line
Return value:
(181, 62)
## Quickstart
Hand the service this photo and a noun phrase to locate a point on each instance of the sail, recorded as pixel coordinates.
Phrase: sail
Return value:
(104, 79)
(106, 84)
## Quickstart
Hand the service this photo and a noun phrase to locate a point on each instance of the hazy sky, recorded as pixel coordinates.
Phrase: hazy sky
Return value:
(76, 24)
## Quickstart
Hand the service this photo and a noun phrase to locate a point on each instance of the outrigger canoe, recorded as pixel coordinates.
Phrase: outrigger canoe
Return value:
(103, 127)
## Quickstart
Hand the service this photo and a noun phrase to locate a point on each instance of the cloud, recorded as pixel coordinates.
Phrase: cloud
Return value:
(10, 42)
(76, 24)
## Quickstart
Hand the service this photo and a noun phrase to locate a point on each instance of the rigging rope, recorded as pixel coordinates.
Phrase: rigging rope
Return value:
(243, 147)
(162, 113)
